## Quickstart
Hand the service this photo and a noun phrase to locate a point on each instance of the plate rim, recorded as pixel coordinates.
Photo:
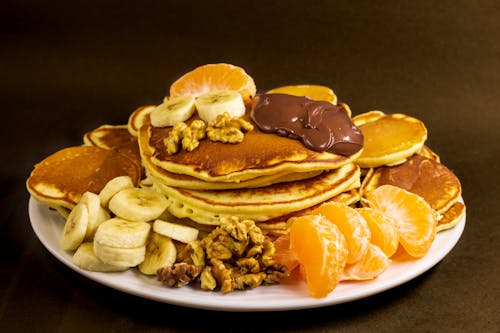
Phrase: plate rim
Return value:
(234, 302)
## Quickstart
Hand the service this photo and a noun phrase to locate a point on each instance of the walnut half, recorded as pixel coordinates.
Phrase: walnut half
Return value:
(228, 130)
(185, 137)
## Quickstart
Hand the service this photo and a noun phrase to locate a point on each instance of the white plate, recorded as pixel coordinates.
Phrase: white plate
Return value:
(48, 226)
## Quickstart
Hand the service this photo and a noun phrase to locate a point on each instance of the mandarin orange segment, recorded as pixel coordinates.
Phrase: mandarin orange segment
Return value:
(215, 77)
(283, 254)
(373, 263)
(352, 225)
(321, 250)
(315, 92)
(415, 218)
(383, 229)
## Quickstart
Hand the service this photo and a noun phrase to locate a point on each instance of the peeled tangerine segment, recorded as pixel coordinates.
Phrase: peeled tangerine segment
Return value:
(415, 218)
(383, 229)
(212, 77)
(373, 263)
(321, 250)
(388, 138)
(352, 225)
(283, 254)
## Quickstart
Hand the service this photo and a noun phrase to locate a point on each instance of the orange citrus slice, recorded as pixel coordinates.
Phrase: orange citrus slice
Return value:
(373, 263)
(315, 92)
(214, 77)
(321, 250)
(415, 218)
(352, 225)
(383, 229)
(283, 254)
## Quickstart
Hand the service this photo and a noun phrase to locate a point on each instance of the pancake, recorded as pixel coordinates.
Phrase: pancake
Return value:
(263, 203)
(115, 137)
(349, 197)
(259, 154)
(138, 118)
(389, 139)
(60, 179)
(451, 217)
(429, 153)
(433, 181)
(109, 136)
(189, 182)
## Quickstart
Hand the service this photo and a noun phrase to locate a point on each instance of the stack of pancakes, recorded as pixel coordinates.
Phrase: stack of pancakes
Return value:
(401, 158)
(264, 178)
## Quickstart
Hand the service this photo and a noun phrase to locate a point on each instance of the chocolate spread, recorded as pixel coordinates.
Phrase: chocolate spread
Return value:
(320, 125)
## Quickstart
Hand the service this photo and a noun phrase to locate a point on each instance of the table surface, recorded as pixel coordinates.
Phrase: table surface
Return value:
(68, 67)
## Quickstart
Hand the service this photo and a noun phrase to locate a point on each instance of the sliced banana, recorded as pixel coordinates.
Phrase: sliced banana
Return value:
(213, 103)
(172, 111)
(117, 232)
(160, 252)
(119, 256)
(138, 204)
(86, 259)
(179, 232)
(75, 227)
(114, 186)
(97, 214)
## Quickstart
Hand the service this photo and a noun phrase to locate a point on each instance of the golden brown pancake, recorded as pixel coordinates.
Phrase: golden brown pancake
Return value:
(433, 181)
(60, 179)
(389, 138)
(109, 137)
(451, 217)
(138, 118)
(263, 203)
(189, 182)
(429, 153)
(115, 137)
(260, 154)
(349, 197)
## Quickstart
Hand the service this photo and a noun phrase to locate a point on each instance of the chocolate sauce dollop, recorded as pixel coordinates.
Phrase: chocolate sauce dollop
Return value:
(320, 125)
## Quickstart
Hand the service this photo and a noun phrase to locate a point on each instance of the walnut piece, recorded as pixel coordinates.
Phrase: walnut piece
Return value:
(185, 137)
(180, 274)
(228, 130)
(235, 255)
(225, 135)
(192, 253)
(207, 279)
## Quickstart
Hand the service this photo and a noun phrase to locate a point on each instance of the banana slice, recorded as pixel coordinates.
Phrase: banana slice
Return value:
(86, 259)
(211, 104)
(176, 231)
(75, 227)
(97, 214)
(117, 232)
(172, 111)
(119, 256)
(114, 186)
(160, 252)
(138, 204)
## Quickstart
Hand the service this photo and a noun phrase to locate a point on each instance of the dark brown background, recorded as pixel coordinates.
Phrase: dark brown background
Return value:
(66, 68)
